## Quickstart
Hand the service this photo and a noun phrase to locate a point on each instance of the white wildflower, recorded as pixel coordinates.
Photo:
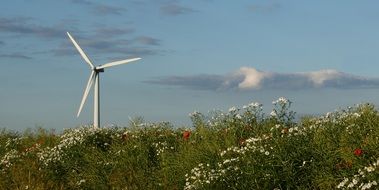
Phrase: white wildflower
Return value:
(342, 184)
(232, 109)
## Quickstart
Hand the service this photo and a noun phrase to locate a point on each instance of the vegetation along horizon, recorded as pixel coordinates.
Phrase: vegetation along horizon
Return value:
(242, 148)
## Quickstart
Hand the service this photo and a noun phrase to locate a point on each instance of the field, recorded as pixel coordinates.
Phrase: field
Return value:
(243, 148)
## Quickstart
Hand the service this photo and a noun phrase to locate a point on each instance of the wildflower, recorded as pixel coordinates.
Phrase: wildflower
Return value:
(281, 100)
(186, 135)
(342, 184)
(232, 109)
(255, 104)
(358, 152)
(81, 182)
(194, 114)
(370, 169)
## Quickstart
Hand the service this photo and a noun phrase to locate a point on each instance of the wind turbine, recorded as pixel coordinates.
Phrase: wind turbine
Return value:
(95, 76)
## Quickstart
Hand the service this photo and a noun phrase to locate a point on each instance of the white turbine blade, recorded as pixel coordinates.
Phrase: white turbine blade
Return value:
(117, 63)
(81, 51)
(86, 91)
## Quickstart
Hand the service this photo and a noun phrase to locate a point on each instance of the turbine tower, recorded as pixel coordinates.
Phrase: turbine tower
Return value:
(95, 76)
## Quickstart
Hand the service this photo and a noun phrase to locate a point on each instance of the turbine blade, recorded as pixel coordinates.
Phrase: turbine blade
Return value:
(117, 63)
(81, 51)
(86, 91)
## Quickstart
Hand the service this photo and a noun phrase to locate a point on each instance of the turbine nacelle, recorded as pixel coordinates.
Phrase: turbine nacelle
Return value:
(94, 78)
(98, 70)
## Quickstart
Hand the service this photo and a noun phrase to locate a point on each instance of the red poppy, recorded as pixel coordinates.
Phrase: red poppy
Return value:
(186, 135)
(358, 152)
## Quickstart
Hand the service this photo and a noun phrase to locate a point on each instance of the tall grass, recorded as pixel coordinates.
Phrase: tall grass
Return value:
(239, 149)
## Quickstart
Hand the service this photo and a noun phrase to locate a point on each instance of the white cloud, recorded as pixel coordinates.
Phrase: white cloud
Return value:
(319, 77)
(252, 78)
(249, 78)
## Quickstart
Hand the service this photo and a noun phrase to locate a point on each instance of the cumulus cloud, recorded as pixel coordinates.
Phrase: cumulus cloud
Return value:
(320, 77)
(248, 78)
(252, 78)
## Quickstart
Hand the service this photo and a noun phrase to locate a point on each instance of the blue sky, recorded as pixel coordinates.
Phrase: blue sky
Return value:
(196, 55)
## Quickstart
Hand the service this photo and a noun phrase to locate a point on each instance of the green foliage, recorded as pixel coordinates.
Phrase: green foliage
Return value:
(238, 149)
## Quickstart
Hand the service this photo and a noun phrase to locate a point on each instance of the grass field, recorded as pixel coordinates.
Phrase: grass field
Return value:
(239, 149)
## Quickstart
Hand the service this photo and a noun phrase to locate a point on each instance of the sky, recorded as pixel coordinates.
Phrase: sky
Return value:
(197, 55)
